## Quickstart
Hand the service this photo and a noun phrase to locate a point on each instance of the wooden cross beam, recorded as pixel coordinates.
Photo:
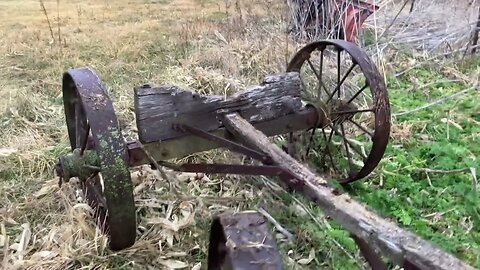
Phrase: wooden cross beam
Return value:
(273, 107)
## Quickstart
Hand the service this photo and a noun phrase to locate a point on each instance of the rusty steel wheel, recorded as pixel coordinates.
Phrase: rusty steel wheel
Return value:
(242, 241)
(335, 76)
(92, 124)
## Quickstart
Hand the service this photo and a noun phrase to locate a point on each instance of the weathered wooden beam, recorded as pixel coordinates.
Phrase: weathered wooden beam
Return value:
(385, 236)
(157, 109)
(185, 145)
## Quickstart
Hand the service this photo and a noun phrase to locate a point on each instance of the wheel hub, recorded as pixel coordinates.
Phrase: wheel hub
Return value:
(341, 111)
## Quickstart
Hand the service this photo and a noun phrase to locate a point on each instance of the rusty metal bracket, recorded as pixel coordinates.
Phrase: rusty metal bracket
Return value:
(268, 170)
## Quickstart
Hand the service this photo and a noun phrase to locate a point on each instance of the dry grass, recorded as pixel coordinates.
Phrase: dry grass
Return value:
(190, 43)
(210, 46)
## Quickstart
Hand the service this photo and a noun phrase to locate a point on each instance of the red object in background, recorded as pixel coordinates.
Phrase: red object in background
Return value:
(353, 16)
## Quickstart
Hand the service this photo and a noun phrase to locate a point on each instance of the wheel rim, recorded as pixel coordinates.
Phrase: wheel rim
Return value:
(92, 124)
(344, 94)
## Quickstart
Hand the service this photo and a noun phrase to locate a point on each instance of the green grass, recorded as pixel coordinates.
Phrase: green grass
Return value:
(444, 209)
(332, 244)
(452, 198)
(429, 174)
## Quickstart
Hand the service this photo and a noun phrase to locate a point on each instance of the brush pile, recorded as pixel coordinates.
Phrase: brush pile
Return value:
(327, 19)
(390, 23)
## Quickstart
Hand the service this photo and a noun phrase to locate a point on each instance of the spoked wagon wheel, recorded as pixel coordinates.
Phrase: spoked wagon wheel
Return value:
(92, 125)
(340, 79)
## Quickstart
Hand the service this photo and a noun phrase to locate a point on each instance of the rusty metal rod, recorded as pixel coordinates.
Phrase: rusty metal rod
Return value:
(222, 142)
(212, 168)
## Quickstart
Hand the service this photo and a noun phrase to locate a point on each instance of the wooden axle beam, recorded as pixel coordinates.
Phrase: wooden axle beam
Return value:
(403, 247)
(182, 146)
(273, 107)
(158, 108)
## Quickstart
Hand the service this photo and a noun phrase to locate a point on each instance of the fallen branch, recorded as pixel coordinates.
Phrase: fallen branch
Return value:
(277, 225)
(427, 170)
(423, 86)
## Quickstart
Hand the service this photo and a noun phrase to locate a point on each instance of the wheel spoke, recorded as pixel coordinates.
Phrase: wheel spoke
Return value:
(97, 193)
(310, 141)
(341, 82)
(361, 127)
(327, 149)
(338, 73)
(358, 93)
(316, 74)
(353, 147)
(314, 70)
(80, 123)
(77, 125)
(355, 111)
(319, 74)
(322, 85)
(85, 140)
(321, 70)
(349, 156)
